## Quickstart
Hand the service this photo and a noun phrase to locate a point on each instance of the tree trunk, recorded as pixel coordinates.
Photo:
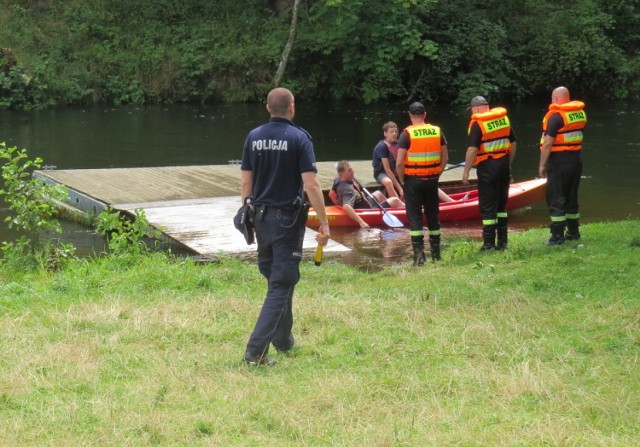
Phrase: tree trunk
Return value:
(287, 48)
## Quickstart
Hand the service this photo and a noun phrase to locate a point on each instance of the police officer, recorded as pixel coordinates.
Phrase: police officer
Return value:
(422, 154)
(277, 162)
(561, 163)
(492, 147)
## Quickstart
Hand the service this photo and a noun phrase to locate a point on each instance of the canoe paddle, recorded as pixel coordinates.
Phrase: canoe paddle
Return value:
(462, 163)
(387, 217)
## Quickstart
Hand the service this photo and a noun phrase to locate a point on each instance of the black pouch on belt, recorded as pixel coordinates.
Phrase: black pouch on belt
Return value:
(243, 221)
(301, 212)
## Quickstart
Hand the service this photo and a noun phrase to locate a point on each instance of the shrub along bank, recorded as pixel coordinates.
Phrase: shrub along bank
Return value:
(158, 51)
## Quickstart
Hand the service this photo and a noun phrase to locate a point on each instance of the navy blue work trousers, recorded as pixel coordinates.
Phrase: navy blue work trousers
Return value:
(279, 255)
(493, 187)
(564, 170)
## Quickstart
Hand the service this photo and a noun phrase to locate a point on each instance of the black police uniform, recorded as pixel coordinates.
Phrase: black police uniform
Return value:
(277, 153)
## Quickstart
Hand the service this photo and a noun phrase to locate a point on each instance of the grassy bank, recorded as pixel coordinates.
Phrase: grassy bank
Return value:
(535, 346)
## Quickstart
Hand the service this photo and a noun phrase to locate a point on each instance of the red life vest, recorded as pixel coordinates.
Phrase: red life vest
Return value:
(423, 157)
(496, 128)
(569, 137)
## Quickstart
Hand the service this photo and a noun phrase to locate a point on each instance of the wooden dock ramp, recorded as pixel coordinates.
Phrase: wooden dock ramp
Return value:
(205, 226)
(192, 205)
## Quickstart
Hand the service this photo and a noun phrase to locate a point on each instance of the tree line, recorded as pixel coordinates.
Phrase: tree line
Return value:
(165, 51)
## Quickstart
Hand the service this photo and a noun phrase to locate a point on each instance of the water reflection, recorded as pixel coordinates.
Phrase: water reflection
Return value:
(182, 135)
(374, 248)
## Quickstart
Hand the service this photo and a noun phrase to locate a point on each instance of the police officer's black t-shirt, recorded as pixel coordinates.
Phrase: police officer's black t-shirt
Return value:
(278, 153)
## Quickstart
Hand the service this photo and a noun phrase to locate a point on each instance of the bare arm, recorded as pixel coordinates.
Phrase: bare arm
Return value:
(547, 142)
(246, 184)
(512, 155)
(402, 153)
(387, 170)
(468, 163)
(444, 156)
(352, 214)
(314, 192)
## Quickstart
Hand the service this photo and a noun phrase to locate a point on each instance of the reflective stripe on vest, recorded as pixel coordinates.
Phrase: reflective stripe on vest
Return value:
(569, 137)
(423, 156)
(496, 128)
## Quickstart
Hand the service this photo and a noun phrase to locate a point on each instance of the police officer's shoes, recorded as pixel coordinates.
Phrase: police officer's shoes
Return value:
(258, 360)
(293, 350)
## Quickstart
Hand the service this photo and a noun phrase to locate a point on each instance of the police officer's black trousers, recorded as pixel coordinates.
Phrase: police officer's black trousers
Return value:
(421, 195)
(564, 170)
(279, 255)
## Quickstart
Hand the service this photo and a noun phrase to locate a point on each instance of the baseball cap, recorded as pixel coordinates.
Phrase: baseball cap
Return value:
(416, 108)
(478, 101)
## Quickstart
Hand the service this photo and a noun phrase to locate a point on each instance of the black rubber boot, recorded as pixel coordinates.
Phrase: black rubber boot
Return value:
(434, 242)
(557, 234)
(502, 234)
(573, 232)
(419, 257)
(488, 238)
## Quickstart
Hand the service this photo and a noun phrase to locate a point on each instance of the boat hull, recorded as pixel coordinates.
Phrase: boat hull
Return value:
(521, 194)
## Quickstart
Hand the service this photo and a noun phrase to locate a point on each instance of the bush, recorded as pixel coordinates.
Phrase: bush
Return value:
(31, 204)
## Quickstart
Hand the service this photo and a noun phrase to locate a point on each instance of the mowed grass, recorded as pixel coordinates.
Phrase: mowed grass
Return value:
(538, 346)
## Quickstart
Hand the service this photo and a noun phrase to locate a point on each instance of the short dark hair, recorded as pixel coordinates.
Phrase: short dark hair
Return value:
(417, 108)
(388, 125)
(342, 166)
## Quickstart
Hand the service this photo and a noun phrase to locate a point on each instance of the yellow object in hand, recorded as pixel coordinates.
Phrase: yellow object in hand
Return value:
(319, 255)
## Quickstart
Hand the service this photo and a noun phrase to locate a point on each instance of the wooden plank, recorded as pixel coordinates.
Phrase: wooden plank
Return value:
(206, 225)
(142, 185)
(193, 205)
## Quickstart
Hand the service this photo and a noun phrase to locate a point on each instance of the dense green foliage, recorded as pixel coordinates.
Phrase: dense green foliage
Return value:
(149, 51)
(126, 235)
(32, 212)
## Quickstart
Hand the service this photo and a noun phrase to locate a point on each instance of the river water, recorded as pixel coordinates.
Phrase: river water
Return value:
(180, 135)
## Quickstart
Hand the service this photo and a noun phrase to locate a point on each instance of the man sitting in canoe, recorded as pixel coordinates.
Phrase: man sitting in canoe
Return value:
(350, 195)
(384, 164)
(384, 160)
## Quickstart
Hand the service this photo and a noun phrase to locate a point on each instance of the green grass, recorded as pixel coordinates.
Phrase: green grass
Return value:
(538, 346)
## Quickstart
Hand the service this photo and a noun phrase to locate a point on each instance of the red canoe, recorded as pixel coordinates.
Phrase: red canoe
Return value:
(520, 195)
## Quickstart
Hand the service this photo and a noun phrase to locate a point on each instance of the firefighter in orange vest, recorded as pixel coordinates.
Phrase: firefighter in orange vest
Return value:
(492, 147)
(422, 154)
(561, 163)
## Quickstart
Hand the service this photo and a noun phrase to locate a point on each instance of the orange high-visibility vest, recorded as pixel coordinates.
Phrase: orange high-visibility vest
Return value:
(423, 157)
(496, 128)
(569, 136)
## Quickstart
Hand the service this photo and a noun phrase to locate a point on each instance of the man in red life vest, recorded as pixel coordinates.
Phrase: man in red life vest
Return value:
(422, 154)
(561, 163)
(492, 147)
